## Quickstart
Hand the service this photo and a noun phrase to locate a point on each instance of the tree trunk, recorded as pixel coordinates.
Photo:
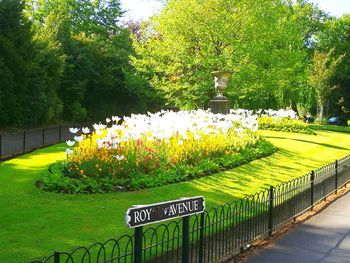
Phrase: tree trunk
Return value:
(294, 107)
(321, 111)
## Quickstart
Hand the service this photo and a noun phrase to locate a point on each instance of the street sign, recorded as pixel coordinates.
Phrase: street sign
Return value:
(148, 214)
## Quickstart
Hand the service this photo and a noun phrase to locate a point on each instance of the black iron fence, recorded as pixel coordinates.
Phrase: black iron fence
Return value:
(16, 143)
(218, 231)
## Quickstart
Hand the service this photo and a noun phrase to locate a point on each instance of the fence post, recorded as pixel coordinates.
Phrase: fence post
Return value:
(24, 141)
(56, 257)
(336, 176)
(186, 239)
(312, 179)
(43, 137)
(270, 225)
(138, 244)
(201, 239)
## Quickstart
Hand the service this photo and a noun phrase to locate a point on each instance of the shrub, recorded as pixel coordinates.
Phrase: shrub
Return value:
(154, 149)
(58, 180)
(284, 124)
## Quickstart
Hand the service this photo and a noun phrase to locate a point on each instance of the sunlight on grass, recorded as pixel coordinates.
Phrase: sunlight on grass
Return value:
(35, 223)
(40, 159)
(330, 128)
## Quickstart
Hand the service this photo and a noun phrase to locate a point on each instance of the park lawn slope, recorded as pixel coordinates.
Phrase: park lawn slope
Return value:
(34, 223)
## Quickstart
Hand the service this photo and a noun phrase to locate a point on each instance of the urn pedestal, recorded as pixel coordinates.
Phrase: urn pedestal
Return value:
(220, 104)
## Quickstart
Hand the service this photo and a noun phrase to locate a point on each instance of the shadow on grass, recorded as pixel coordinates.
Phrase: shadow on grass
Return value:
(317, 143)
(76, 219)
(332, 128)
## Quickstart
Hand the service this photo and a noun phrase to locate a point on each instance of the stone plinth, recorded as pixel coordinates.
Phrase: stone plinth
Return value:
(219, 104)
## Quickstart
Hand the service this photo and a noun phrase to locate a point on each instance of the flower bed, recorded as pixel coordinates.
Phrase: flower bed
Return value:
(156, 149)
(282, 120)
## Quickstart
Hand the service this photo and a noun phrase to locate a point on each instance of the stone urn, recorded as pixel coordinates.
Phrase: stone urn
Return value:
(220, 104)
(221, 81)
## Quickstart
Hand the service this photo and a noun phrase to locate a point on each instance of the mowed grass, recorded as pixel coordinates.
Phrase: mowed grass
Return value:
(330, 128)
(34, 223)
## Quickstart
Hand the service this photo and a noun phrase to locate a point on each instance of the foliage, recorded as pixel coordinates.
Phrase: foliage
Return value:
(26, 210)
(179, 48)
(336, 34)
(67, 60)
(165, 147)
(323, 70)
(282, 120)
(30, 68)
(156, 146)
(277, 120)
(284, 124)
(58, 180)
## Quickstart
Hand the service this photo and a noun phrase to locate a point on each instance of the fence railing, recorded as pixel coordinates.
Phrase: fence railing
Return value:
(218, 231)
(16, 143)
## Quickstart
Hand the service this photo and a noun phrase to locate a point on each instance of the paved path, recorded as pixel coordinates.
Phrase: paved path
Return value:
(325, 238)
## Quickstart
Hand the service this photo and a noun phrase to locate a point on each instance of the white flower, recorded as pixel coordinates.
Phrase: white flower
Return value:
(85, 130)
(108, 120)
(117, 140)
(196, 137)
(163, 125)
(239, 130)
(278, 114)
(69, 151)
(70, 143)
(119, 158)
(99, 142)
(73, 130)
(79, 138)
(115, 118)
(99, 126)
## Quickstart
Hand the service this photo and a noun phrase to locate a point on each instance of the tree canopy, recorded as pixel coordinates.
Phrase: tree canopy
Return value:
(75, 60)
(66, 60)
(263, 43)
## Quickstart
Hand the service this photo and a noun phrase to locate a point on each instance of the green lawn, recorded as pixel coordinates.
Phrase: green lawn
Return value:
(330, 128)
(34, 223)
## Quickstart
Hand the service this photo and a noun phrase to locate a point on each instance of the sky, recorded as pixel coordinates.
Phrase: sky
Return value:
(143, 9)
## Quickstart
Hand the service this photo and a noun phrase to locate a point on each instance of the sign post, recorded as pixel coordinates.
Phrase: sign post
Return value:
(138, 216)
(138, 244)
(186, 239)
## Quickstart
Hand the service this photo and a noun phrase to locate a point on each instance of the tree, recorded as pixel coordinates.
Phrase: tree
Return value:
(336, 33)
(97, 78)
(263, 43)
(91, 17)
(29, 70)
(322, 72)
(15, 52)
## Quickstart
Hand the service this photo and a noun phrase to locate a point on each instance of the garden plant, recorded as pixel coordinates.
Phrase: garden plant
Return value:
(282, 120)
(151, 150)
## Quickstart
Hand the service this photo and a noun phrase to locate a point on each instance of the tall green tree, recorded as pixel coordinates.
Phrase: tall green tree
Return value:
(97, 79)
(336, 33)
(263, 43)
(15, 54)
(323, 70)
(91, 17)
(29, 70)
